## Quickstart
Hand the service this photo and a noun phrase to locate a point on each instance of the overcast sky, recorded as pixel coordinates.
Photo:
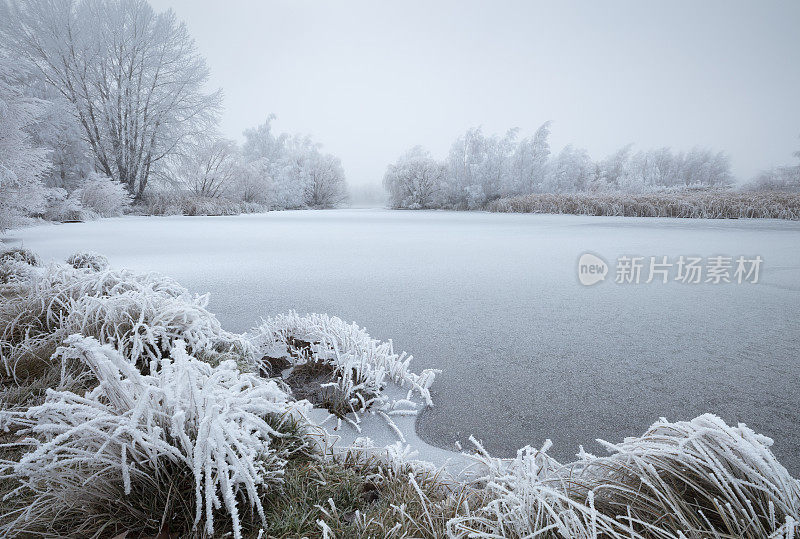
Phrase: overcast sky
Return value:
(370, 79)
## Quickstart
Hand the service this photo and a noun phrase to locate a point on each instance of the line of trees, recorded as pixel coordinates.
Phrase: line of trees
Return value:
(112, 91)
(273, 171)
(784, 178)
(481, 168)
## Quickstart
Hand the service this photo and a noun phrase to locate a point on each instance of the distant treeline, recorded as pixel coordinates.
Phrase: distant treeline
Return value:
(480, 169)
(104, 103)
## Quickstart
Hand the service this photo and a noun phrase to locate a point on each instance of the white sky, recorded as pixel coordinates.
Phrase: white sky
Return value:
(369, 79)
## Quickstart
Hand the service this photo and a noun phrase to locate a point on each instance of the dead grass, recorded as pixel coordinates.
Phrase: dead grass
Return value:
(312, 381)
(712, 204)
(361, 498)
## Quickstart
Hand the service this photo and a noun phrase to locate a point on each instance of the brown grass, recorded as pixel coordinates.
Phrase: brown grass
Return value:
(713, 204)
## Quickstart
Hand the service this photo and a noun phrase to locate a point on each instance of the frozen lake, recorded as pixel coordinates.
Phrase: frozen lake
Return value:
(493, 300)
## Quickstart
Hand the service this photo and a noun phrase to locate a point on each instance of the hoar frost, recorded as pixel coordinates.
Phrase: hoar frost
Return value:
(212, 421)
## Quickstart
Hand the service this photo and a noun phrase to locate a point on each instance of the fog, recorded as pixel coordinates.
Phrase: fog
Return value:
(369, 80)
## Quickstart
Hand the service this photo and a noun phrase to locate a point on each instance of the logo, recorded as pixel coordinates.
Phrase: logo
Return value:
(591, 269)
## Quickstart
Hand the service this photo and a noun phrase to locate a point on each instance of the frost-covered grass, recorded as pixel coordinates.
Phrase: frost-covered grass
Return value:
(360, 366)
(16, 266)
(124, 407)
(141, 314)
(710, 204)
(187, 421)
(701, 478)
(89, 260)
(186, 203)
(350, 496)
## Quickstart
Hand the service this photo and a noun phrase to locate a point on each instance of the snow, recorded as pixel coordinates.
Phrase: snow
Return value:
(527, 353)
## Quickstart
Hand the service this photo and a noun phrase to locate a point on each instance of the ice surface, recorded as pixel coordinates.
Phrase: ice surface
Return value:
(343, 436)
(493, 300)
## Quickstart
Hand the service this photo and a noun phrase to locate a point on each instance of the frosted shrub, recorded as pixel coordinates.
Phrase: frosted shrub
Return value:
(198, 205)
(140, 314)
(699, 478)
(159, 203)
(103, 196)
(212, 425)
(63, 206)
(20, 254)
(13, 273)
(360, 366)
(16, 268)
(96, 196)
(181, 202)
(88, 260)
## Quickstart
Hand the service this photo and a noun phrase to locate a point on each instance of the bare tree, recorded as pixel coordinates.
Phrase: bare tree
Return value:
(134, 76)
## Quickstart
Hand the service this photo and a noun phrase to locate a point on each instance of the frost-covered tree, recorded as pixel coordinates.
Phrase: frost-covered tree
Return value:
(23, 165)
(263, 153)
(74, 189)
(261, 143)
(210, 168)
(60, 132)
(494, 173)
(530, 162)
(783, 178)
(415, 181)
(653, 168)
(613, 171)
(290, 171)
(249, 185)
(571, 171)
(134, 76)
(479, 168)
(662, 168)
(776, 179)
(460, 182)
(704, 167)
(325, 182)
